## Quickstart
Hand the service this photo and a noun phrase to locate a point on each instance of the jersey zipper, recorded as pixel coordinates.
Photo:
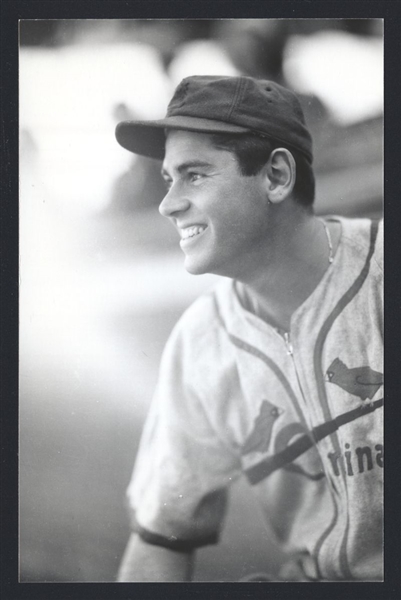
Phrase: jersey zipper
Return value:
(290, 351)
(288, 344)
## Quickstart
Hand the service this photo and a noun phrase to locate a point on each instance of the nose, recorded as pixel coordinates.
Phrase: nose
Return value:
(173, 202)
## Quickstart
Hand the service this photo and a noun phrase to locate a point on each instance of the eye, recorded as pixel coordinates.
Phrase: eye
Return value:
(192, 176)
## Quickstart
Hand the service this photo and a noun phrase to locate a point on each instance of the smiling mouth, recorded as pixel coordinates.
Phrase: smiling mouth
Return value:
(191, 232)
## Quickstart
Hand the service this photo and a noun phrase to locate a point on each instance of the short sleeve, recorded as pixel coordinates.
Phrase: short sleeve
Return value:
(183, 469)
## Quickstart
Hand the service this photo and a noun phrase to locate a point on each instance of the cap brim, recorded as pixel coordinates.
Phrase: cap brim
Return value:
(147, 138)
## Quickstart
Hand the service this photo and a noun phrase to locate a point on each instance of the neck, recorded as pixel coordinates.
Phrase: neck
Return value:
(297, 258)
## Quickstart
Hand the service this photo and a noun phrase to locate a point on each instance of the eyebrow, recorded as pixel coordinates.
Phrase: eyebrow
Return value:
(190, 164)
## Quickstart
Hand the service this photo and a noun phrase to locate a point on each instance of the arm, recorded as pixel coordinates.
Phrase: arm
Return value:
(146, 562)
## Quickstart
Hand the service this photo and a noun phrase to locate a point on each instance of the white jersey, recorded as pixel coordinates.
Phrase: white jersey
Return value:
(300, 417)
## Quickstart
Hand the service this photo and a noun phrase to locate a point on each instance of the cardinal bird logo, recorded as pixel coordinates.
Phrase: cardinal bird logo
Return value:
(360, 381)
(259, 438)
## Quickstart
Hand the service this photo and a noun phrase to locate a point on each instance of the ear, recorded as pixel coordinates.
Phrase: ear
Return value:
(281, 174)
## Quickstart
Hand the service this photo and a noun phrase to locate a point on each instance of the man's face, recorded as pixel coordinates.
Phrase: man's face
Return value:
(220, 214)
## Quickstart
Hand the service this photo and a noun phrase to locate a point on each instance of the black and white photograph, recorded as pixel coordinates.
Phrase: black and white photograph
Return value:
(201, 300)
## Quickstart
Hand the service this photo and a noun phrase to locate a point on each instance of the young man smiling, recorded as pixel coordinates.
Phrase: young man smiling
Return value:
(277, 373)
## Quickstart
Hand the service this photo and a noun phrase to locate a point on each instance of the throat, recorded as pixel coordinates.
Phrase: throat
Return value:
(282, 283)
(278, 315)
(279, 295)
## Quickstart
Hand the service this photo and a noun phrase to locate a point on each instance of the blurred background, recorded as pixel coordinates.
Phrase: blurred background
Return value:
(101, 274)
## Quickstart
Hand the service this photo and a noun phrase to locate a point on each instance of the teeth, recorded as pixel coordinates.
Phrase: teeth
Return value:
(192, 231)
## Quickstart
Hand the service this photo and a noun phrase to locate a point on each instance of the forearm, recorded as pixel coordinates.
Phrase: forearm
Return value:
(145, 562)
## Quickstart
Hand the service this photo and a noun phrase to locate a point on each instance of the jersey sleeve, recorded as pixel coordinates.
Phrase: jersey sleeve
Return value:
(178, 491)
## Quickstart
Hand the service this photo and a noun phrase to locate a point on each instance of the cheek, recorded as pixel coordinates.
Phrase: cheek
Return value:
(233, 232)
(240, 210)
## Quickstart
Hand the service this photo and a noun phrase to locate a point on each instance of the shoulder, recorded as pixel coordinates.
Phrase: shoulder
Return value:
(359, 230)
(199, 354)
(363, 239)
(378, 253)
(201, 329)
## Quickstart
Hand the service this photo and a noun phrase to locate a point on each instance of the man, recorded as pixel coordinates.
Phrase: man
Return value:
(276, 374)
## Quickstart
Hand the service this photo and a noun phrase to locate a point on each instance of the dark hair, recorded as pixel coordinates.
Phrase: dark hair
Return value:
(252, 153)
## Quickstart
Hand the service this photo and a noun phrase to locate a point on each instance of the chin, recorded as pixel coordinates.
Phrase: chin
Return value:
(197, 267)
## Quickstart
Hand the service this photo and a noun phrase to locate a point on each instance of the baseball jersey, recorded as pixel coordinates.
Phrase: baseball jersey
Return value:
(300, 416)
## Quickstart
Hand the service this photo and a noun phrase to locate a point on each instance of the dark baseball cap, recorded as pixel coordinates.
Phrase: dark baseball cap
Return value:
(213, 104)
